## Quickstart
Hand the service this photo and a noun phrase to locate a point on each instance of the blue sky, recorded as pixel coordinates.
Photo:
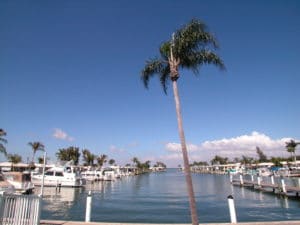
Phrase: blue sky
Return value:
(70, 76)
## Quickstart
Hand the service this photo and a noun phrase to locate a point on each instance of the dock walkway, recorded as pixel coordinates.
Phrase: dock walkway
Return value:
(258, 184)
(56, 222)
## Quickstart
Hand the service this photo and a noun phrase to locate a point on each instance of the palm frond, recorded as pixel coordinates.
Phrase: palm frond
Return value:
(165, 77)
(164, 50)
(154, 67)
(2, 149)
(193, 37)
(196, 59)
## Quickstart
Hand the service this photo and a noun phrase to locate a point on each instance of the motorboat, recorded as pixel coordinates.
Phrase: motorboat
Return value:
(60, 176)
(21, 181)
(108, 174)
(264, 172)
(92, 175)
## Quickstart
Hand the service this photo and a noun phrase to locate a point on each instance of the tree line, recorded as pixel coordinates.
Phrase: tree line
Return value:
(261, 157)
(73, 154)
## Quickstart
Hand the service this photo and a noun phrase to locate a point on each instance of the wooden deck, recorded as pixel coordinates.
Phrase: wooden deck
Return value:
(56, 222)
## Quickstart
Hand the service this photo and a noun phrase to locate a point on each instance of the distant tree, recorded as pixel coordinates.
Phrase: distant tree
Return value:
(88, 157)
(2, 142)
(14, 159)
(136, 161)
(143, 167)
(291, 147)
(219, 160)
(111, 162)
(41, 160)
(101, 160)
(160, 164)
(261, 156)
(201, 163)
(236, 160)
(146, 164)
(247, 160)
(69, 154)
(36, 146)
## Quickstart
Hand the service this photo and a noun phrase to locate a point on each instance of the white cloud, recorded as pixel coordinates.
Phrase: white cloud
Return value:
(246, 145)
(176, 147)
(60, 134)
(115, 149)
(228, 147)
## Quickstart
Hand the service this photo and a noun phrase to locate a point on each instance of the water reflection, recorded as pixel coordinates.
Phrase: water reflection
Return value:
(162, 198)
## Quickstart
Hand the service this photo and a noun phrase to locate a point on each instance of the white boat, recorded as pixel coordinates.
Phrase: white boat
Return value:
(264, 172)
(60, 176)
(21, 181)
(108, 174)
(89, 175)
(92, 175)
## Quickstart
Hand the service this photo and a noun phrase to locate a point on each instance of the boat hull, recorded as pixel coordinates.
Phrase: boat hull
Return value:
(57, 182)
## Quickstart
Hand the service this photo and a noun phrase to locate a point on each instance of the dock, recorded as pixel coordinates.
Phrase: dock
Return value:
(55, 222)
(266, 184)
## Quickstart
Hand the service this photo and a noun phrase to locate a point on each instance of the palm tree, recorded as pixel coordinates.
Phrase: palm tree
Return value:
(14, 159)
(69, 154)
(136, 161)
(3, 140)
(291, 147)
(36, 146)
(101, 160)
(190, 48)
(111, 162)
(88, 157)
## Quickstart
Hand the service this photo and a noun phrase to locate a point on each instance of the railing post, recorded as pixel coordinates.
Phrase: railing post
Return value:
(272, 180)
(259, 181)
(241, 179)
(88, 207)
(1, 205)
(283, 185)
(231, 209)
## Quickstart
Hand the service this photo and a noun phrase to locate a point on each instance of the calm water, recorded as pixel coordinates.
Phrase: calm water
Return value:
(162, 198)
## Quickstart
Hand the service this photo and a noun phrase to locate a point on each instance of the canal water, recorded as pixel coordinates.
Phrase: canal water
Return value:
(162, 198)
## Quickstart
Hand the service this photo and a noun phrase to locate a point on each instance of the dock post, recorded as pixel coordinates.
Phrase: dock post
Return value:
(272, 180)
(283, 185)
(88, 207)
(231, 209)
(241, 179)
(259, 181)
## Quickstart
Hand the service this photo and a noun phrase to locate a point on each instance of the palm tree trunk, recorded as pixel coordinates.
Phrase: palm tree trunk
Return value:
(187, 171)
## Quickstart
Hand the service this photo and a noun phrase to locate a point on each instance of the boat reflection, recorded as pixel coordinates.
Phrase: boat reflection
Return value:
(59, 198)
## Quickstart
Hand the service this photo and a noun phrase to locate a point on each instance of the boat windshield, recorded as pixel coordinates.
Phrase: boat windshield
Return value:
(26, 177)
